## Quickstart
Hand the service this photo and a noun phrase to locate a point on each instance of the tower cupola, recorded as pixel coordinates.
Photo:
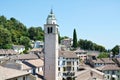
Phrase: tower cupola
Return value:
(51, 18)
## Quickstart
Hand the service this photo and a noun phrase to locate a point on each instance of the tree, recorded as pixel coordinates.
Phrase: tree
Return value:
(32, 33)
(39, 33)
(5, 39)
(25, 41)
(2, 20)
(89, 45)
(35, 33)
(115, 50)
(59, 38)
(13, 31)
(103, 55)
(74, 39)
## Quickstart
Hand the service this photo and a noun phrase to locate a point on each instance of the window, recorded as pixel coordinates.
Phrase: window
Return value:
(69, 68)
(107, 77)
(68, 63)
(58, 68)
(38, 69)
(118, 76)
(49, 30)
(113, 72)
(107, 72)
(64, 68)
(63, 63)
(73, 63)
(24, 78)
(73, 68)
(77, 62)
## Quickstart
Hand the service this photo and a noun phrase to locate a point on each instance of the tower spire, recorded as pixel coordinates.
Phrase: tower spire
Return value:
(51, 12)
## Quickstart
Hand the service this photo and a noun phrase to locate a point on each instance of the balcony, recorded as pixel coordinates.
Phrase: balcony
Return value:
(69, 74)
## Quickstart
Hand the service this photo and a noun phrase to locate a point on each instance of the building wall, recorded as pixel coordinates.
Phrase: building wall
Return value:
(51, 56)
(67, 67)
(67, 42)
(112, 73)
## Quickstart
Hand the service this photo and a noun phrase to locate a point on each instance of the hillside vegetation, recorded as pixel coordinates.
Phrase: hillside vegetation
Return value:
(14, 32)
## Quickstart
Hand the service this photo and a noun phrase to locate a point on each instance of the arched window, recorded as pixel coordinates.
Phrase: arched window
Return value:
(49, 30)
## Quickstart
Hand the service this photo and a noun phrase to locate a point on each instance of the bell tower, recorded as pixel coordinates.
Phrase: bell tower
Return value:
(51, 48)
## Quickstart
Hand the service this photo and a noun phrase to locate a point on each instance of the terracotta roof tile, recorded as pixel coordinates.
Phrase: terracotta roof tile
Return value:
(67, 54)
(7, 73)
(32, 63)
(25, 57)
(103, 60)
(108, 67)
(7, 51)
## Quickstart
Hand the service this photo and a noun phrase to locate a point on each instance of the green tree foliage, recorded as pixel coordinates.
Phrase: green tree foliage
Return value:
(35, 33)
(74, 39)
(2, 20)
(14, 32)
(103, 55)
(25, 41)
(115, 50)
(64, 37)
(5, 38)
(59, 38)
(89, 45)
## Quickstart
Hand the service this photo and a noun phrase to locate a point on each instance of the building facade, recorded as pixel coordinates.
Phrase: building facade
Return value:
(68, 65)
(111, 72)
(38, 44)
(67, 42)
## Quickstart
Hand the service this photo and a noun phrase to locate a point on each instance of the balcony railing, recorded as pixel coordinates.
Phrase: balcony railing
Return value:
(69, 74)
